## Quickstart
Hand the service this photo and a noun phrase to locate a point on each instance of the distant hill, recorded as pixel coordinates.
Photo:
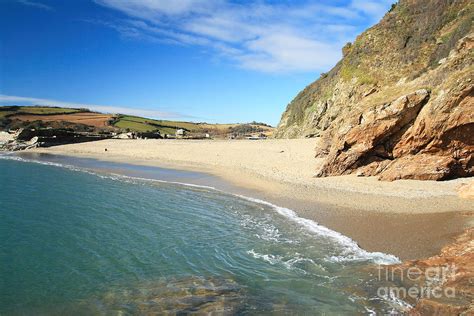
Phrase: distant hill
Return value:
(14, 117)
(400, 103)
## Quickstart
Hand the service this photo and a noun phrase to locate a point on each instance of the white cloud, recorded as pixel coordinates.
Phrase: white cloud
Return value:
(36, 4)
(286, 52)
(263, 36)
(152, 8)
(375, 8)
(17, 100)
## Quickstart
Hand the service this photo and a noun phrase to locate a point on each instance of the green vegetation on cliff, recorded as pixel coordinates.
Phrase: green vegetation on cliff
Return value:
(400, 104)
(413, 38)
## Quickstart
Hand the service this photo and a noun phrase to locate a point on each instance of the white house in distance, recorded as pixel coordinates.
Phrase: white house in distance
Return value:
(180, 132)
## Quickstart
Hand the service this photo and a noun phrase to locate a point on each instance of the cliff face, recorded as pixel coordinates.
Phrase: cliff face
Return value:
(400, 104)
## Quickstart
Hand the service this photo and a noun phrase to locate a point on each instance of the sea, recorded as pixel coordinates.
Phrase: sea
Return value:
(83, 237)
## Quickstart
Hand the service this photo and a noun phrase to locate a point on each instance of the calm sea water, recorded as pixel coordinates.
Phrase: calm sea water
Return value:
(82, 242)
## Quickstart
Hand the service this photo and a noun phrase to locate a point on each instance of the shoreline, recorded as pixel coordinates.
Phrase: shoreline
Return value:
(408, 221)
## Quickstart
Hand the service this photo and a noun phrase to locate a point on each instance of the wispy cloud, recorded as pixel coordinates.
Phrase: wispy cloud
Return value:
(36, 4)
(18, 100)
(263, 36)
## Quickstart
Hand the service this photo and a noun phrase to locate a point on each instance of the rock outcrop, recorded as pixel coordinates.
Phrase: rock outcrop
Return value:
(182, 296)
(46, 137)
(400, 104)
(447, 279)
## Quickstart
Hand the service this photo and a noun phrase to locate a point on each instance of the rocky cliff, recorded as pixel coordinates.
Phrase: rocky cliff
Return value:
(400, 104)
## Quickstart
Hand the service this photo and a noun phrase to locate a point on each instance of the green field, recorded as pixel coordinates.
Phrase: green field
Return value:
(48, 110)
(5, 113)
(128, 122)
(140, 124)
(36, 110)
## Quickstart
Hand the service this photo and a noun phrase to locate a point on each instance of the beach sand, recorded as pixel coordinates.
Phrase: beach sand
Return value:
(408, 218)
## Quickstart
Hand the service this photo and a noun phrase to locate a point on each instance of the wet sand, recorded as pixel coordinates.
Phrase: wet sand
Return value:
(411, 219)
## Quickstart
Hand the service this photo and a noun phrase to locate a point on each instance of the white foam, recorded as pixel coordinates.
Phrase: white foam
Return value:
(396, 303)
(289, 264)
(351, 250)
(46, 163)
(271, 259)
(112, 176)
(266, 231)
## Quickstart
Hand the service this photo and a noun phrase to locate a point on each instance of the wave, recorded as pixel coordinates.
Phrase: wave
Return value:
(110, 175)
(351, 250)
(290, 264)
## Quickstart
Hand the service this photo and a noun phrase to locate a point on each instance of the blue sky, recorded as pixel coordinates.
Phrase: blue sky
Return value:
(197, 60)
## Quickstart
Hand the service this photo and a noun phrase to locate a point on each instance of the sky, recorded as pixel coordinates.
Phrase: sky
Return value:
(194, 60)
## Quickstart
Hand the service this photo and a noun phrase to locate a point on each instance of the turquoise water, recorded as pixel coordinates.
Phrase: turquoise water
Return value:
(82, 242)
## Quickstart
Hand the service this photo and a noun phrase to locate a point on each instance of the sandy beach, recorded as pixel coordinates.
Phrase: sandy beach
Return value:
(411, 219)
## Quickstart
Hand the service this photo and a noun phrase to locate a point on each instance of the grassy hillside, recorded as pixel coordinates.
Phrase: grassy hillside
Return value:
(21, 116)
(36, 110)
(41, 110)
(140, 124)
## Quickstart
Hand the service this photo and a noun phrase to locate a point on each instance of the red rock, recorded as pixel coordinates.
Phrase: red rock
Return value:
(400, 103)
(459, 258)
